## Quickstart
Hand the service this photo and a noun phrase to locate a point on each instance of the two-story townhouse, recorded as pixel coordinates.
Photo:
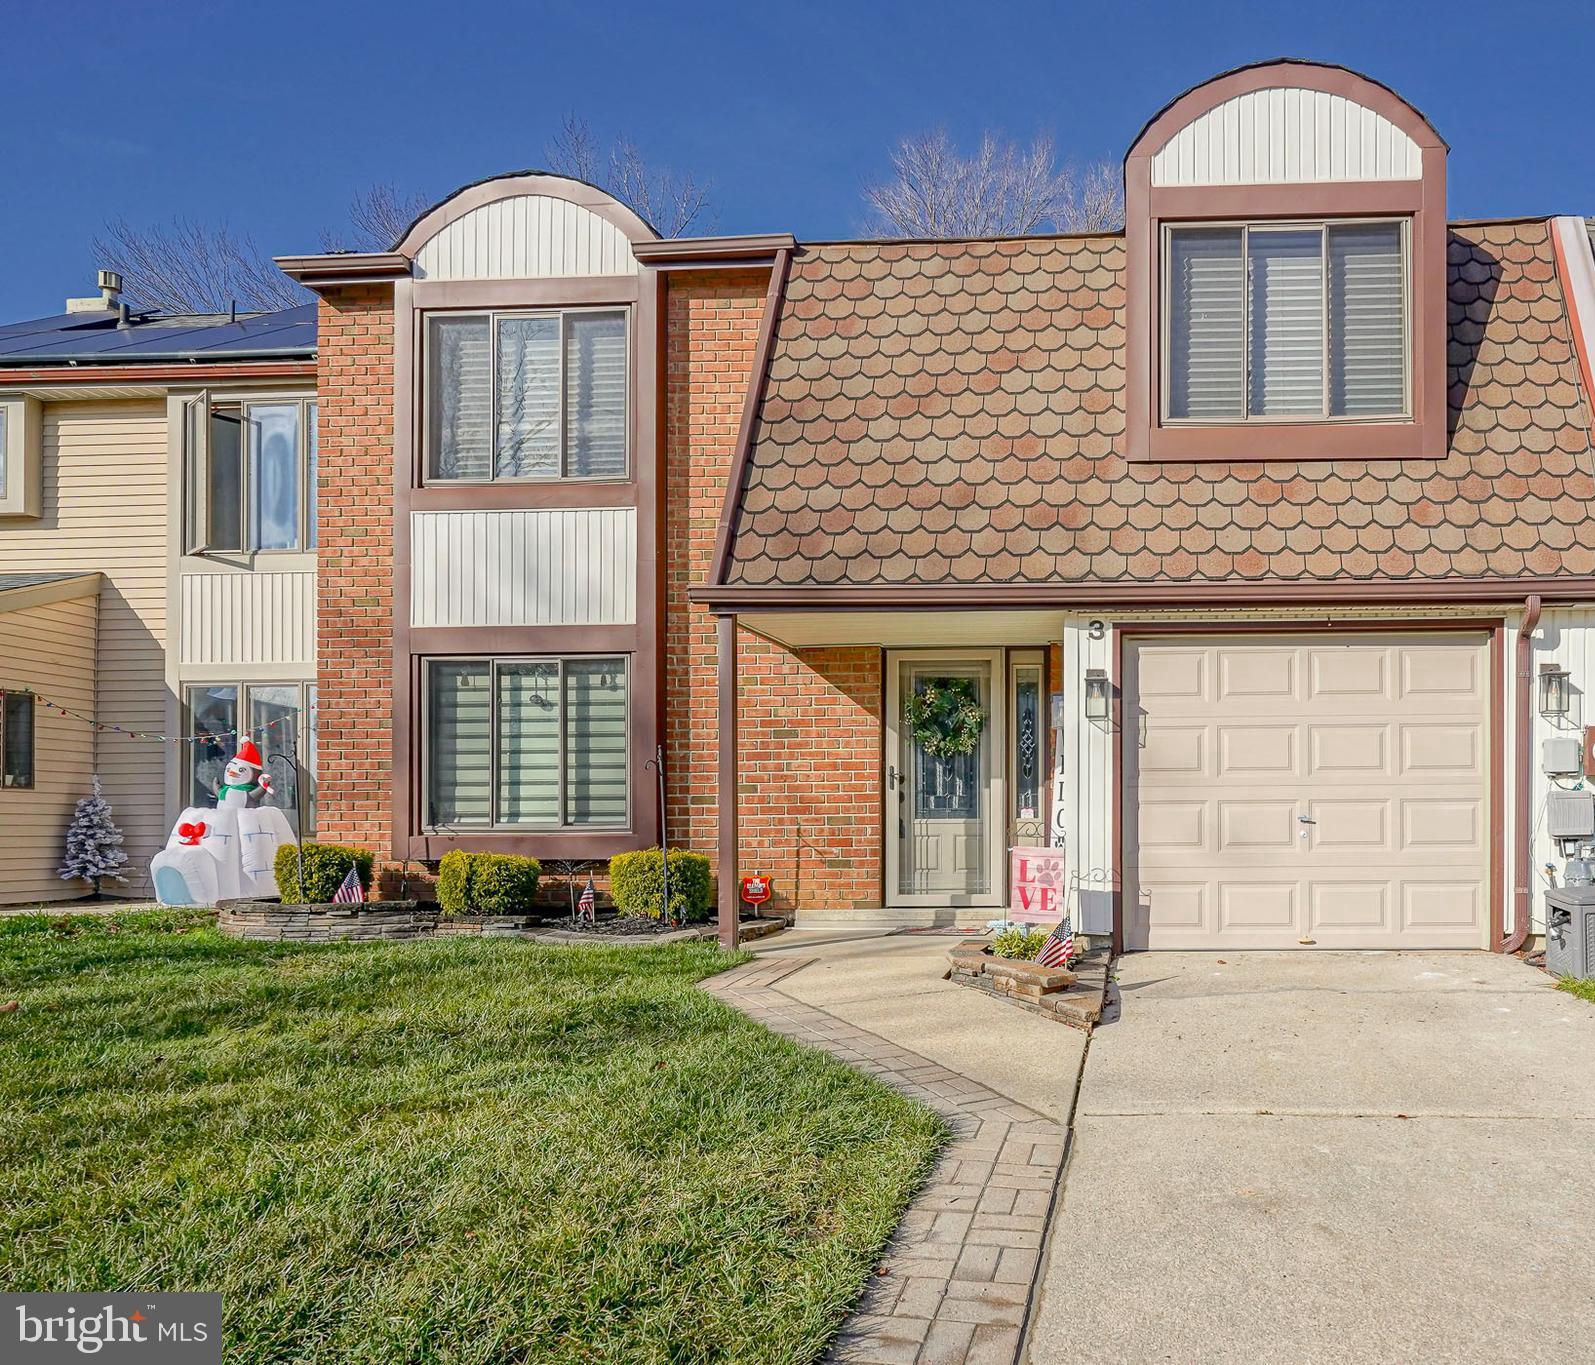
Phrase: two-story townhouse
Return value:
(1244, 554)
(157, 570)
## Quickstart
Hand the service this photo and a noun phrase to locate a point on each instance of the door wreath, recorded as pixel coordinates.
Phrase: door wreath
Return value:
(945, 718)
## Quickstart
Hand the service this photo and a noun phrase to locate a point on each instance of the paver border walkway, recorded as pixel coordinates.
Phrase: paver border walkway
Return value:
(961, 1271)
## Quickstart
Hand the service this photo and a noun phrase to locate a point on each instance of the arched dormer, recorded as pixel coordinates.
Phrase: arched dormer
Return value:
(1285, 275)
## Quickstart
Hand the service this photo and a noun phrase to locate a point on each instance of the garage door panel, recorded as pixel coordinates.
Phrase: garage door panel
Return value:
(1380, 740)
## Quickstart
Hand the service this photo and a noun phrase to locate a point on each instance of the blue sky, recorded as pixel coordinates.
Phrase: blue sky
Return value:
(271, 115)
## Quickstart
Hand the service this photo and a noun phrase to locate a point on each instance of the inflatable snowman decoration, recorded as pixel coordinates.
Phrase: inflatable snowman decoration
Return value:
(217, 854)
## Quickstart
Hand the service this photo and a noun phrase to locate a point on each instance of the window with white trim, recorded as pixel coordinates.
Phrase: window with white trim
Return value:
(1286, 321)
(526, 743)
(526, 395)
(251, 475)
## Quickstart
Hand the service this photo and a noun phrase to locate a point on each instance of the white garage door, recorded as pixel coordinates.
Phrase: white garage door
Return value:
(1330, 790)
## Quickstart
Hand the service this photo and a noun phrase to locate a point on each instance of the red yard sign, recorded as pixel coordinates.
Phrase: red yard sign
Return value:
(1038, 882)
(755, 890)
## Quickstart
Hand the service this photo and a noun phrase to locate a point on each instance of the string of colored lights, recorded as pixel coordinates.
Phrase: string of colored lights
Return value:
(106, 727)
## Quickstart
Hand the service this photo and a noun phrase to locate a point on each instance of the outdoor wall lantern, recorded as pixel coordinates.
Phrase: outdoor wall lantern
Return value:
(1553, 690)
(1096, 694)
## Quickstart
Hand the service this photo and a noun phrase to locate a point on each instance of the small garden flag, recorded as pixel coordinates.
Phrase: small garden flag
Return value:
(1059, 947)
(587, 906)
(349, 893)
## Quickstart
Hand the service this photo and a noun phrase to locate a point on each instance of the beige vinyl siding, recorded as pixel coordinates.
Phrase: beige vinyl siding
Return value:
(47, 649)
(105, 509)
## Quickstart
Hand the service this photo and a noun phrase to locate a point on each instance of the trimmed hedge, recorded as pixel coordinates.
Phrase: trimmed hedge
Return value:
(487, 883)
(636, 883)
(326, 865)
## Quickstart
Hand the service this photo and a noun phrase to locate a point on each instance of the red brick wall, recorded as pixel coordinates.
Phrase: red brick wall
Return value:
(354, 607)
(809, 747)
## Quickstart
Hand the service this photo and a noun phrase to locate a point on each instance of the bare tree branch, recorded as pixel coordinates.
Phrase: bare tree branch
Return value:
(1003, 189)
(378, 218)
(189, 267)
(670, 200)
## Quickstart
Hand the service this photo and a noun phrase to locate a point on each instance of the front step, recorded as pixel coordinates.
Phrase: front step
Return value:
(898, 917)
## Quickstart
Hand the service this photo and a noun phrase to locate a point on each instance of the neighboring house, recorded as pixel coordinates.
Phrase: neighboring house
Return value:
(1248, 530)
(158, 475)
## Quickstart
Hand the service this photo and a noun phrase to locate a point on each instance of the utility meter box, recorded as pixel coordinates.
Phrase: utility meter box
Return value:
(1562, 756)
(1570, 931)
(1570, 815)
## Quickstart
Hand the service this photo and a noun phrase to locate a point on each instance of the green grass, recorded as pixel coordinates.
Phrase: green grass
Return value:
(1584, 990)
(439, 1151)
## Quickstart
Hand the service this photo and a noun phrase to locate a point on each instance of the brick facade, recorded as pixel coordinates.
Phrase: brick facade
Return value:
(809, 749)
(354, 607)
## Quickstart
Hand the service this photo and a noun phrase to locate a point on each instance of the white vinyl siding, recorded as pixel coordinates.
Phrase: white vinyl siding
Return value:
(1285, 298)
(526, 237)
(537, 743)
(1367, 323)
(1286, 321)
(527, 395)
(1207, 324)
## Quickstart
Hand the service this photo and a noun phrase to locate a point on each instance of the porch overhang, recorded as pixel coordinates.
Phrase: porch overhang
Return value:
(899, 629)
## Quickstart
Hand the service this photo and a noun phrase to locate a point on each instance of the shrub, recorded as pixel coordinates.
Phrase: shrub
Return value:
(325, 867)
(454, 882)
(636, 882)
(1022, 944)
(487, 883)
(502, 883)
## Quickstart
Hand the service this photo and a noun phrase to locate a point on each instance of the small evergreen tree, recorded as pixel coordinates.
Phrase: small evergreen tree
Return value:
(93, 842)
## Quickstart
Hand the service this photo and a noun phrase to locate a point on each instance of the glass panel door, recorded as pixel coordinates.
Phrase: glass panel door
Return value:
(944, 793)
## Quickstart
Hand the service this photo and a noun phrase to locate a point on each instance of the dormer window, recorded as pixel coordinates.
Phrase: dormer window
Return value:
(1287, 320)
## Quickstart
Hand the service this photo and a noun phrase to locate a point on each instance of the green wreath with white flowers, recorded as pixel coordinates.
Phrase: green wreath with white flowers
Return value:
(945, 718)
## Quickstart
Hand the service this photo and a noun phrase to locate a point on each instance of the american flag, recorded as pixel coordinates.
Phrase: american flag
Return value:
(349, 893)
(587, 906)
(1059, 947)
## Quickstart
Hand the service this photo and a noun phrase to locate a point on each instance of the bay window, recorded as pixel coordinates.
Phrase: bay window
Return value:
(251, 476)
(526, 395)
(526, 743)
(1286, 321)
(280, 718)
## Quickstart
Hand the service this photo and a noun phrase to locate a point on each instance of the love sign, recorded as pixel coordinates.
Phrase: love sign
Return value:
(1037, 877)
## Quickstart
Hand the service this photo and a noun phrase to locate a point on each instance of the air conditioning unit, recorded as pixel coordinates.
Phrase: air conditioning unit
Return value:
(1570, 931)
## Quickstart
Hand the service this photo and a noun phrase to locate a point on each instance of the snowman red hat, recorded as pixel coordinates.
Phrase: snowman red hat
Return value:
(248, 753)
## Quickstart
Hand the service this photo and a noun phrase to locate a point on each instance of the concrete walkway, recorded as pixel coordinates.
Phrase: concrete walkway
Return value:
(1329, 1157)
(961, 1270)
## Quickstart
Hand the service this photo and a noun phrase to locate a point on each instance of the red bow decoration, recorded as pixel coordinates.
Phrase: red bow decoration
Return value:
(191, 834)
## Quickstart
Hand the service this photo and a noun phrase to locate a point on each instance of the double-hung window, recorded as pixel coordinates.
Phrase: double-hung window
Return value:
(1286, 321)
(252, 476)
(280, 718)
(526, 395)
(520, 743)
(16, 739)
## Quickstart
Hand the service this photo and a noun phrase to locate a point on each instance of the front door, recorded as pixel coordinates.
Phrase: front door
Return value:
(944, 803)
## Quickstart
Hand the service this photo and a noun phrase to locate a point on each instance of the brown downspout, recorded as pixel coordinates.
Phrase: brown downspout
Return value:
(1523, 870)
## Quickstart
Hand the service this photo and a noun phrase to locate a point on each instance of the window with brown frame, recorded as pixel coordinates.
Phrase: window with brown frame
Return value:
(526, 395)
(1286, 321)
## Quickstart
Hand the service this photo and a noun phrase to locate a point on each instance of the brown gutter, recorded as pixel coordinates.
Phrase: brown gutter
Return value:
(750, 410)
(1523, 870)
(701, 252)
(728, 597)
(187, 372)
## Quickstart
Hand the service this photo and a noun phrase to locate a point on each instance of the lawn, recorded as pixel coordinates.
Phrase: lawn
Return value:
(1584, 990)
(439, 1151)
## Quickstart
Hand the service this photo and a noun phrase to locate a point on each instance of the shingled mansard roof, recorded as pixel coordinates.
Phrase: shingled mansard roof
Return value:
(953, 414)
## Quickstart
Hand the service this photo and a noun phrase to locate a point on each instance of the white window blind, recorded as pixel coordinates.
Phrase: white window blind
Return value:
(527, 395)
(595, 742)
(1285, 298)
(460, 397)
(528, 398)
(459, 744)
(1287, 321)
(1367, 330)
(1207, 324)
(528, 743)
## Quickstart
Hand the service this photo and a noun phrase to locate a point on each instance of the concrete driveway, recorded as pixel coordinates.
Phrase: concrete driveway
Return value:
(1329, 1156)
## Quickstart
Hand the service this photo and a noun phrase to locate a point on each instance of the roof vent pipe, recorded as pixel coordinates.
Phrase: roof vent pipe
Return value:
(109, 283)
(124, 319)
